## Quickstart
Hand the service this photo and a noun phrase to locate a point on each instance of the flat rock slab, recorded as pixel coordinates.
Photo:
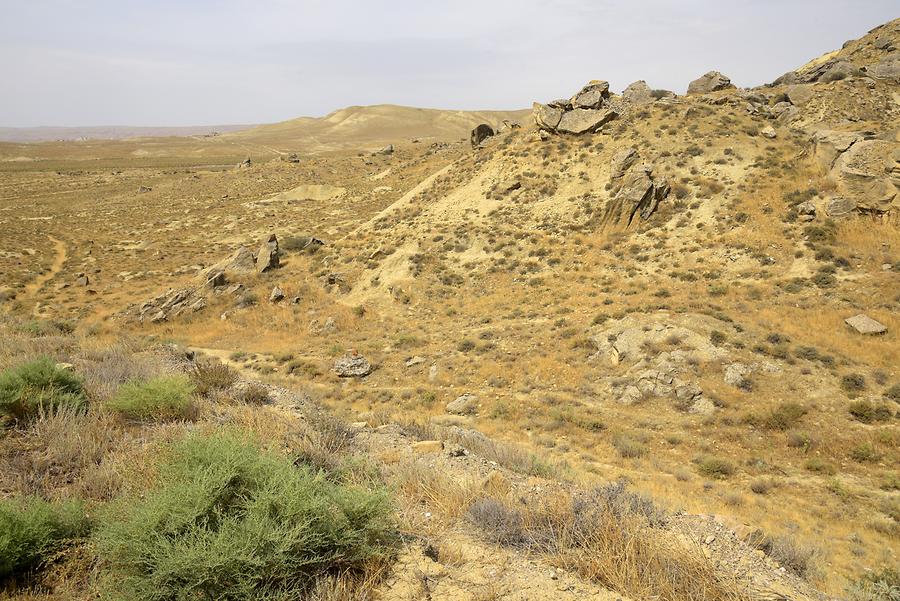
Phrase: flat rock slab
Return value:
(866, 325)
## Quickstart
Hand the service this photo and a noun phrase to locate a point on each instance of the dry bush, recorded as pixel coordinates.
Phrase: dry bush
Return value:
(61, 449)
(422, 485)
(212, 375)
(325, 443)
(105, 370)
(611, 536)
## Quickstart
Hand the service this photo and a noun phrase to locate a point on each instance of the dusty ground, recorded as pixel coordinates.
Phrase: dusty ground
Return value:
(451, 280)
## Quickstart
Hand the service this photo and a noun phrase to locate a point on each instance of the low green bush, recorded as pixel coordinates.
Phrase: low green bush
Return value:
(228, 521)
(33, 530)
(165, 397)
(715, 467)
(39, 385)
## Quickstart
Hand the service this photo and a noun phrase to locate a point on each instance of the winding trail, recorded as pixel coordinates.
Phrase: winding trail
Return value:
(62, 253)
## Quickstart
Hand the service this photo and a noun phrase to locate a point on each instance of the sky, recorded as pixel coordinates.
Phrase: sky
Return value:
(205, 62)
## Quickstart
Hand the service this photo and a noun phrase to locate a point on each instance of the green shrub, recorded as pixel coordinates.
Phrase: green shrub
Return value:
(785, 416)
(39, 385)
(32, 530)
(715, 467)
(228, 521)
(165, 397)
(867, 412)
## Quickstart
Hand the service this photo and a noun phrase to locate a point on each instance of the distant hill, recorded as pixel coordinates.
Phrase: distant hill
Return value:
(359, 126)
(108, 132)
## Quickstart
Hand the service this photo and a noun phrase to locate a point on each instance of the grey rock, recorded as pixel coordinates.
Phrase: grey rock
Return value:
(800, 94)
(866, 325)
(579, 121)
(352, 366)
(276, 295)
(712, 81)
(736, 373)
(545, 116)
(638, 93)
(622, 162)
(591, 96)
(386, 151)
(463, 405)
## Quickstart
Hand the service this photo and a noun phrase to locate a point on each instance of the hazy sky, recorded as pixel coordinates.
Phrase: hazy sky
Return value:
(197, 62)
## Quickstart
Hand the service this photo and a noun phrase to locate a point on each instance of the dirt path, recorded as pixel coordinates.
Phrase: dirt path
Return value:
(62, 253)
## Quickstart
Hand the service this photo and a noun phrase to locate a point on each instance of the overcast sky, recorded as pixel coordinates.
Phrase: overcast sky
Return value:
(198, 62)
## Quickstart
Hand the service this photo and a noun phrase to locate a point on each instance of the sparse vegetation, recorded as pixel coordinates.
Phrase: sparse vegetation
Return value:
(39, 386)
(164, 397)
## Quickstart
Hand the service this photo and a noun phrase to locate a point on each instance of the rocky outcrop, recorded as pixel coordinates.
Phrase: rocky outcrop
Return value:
(585, 112)
(481, 133)
(710, 82)
(636, 192)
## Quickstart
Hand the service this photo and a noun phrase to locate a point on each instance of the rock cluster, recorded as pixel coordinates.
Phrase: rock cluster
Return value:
(214, 281)
(586, 112)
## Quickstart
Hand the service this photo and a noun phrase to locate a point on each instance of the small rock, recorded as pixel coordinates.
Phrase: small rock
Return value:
(413, 361)
(455, 450)
(768, 132)
(866, 325)
(481, 133)
(267, 257)
(426, 447)
(277, 294)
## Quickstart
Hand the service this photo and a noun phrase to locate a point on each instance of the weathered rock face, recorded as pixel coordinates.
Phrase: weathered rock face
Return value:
(866, 172)
(268, 258)
(710, 82)
(352, 366)
(481, 133)
(545, 116)
(637, 192)
(579, 121)
(587, 111)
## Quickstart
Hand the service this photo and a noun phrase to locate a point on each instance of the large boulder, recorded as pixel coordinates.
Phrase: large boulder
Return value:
(638, 93)
(481, 133)
(710, 82)
(640, 194)
(580, 121)
(869, 174)
(591, 96)
(622, 162)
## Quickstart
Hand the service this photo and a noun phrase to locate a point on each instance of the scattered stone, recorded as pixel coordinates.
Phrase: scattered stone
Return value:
(463, 405)
(352, 366)
(455, 450)
(386, 151)
(245, 163)
(864, 324)
(83, 280)
(277, 295)
(481, 133)
(768, 132)
(712, 81)
(144, 189)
